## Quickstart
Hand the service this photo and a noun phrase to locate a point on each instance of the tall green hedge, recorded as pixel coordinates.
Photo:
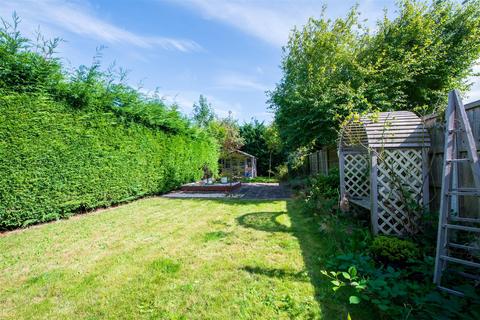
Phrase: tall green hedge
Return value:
(56, 160)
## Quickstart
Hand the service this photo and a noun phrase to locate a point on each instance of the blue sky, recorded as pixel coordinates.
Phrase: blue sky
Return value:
(230, 51)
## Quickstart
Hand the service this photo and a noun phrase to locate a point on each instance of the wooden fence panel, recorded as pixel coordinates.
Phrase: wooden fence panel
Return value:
(435, 126)
(322, 161)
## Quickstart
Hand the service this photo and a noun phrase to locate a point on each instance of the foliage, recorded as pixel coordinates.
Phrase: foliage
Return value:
(391, 249)
(262, 141)
(56, 161)
(322, 196)
(74, 142)
(227, 133)
(390, 277)
(281, 172)
(203, 114)
(298, 183)
(274, 147)
(297, 162)
(225, 130)
(334, 68)
(399, 293)
(396, 291)
(26, 66)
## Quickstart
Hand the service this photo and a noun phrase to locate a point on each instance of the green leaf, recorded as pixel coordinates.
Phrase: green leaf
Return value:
(354, 300)
(346, 275)
(353, 271)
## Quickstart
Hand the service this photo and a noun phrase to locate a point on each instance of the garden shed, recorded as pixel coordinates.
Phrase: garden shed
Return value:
(383, 159)
(238, 164)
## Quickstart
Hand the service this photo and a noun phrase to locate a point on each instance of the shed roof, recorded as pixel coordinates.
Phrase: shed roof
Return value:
(244, 153)
(386, 130)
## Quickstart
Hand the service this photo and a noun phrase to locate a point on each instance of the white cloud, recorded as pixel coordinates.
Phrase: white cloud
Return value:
(272, 21)
(239, 82)
(77, 18)
(268, 21)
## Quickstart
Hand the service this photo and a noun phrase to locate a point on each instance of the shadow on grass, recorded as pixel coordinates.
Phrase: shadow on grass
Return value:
(316, 250)
(278, 273)
(263, 221)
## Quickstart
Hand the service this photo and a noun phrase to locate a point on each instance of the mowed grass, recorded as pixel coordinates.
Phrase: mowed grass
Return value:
(161, 258)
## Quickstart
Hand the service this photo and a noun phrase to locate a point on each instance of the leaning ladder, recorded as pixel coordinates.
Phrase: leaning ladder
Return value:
(449, 219)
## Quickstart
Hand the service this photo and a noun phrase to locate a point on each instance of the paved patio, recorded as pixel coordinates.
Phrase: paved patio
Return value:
(253, 191)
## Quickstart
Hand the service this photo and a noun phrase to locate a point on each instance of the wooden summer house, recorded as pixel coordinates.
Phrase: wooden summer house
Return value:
(238, 164)
(383, 168)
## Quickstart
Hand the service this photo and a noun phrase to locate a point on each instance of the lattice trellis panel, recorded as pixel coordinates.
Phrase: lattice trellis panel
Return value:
(400, 178)
(357, 182)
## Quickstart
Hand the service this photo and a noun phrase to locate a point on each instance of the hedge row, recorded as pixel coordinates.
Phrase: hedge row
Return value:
(56, 161)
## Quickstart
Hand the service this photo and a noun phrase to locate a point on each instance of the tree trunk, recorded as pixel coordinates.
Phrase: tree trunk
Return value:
(270, 165)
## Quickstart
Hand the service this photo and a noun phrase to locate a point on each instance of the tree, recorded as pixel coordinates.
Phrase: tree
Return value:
(203, 113)
(273, 145)
(262, 141)
(332, 69)
(227, 133)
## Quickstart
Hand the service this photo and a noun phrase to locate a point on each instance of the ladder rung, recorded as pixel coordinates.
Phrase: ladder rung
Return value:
(461, 261)
(464, 192)
(467, 275)
(461, 246)
(459, 227)
(459, 160)
(451, 291)
(460, 219)
(455, 130)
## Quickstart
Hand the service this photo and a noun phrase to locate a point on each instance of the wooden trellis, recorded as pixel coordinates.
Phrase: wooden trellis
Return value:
(383, 167)
(356, 178)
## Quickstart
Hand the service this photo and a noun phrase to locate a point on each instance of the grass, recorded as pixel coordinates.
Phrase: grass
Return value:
(261, 180)
(169, 259)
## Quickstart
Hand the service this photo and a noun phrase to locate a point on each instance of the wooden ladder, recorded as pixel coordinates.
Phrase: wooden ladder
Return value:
(457, 126)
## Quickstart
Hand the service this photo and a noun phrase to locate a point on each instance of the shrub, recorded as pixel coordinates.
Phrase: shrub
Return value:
(393, 250)
(398, 293)
(322, 196)
(298, 183)
(281, 172)
(56, 161)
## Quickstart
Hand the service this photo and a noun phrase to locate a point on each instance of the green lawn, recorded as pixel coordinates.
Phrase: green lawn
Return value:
(168, 259)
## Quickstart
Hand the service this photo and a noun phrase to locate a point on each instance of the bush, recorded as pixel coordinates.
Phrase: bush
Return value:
(323, 194)
(389, 250)
(281, 172)
(398, 293)
(56, 161)
(396, 290)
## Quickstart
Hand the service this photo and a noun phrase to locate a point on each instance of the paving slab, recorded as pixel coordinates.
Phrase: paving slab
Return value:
(251, 191)
(264, 191)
